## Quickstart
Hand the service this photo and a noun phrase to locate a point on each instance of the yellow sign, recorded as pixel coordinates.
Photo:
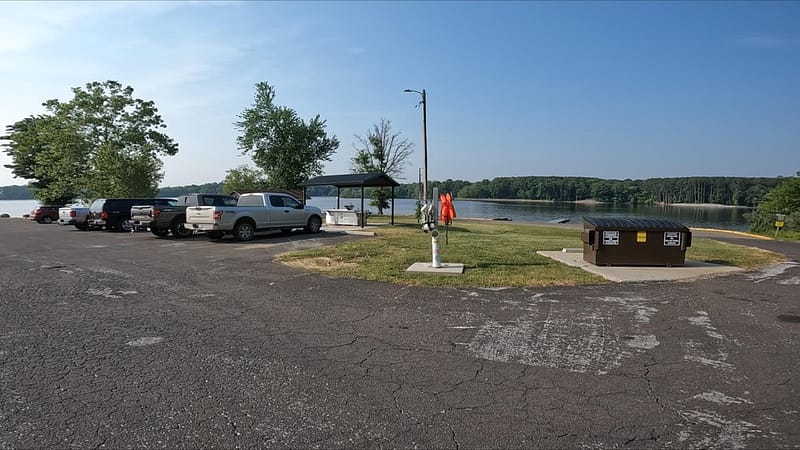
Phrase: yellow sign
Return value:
(778, 224)
(641, 236)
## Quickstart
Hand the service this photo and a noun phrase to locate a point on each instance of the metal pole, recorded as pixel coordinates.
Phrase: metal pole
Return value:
(425, 144)
(424, 141)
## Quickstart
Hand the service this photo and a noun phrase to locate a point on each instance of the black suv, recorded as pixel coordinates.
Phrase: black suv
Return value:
(115, 213)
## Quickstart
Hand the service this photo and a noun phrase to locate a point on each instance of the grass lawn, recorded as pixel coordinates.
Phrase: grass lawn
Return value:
(495, 254)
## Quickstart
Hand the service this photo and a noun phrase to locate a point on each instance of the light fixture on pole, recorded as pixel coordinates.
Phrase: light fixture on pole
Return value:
(424, 143)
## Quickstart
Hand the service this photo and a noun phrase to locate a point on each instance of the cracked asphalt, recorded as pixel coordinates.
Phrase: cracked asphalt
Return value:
(123, 340)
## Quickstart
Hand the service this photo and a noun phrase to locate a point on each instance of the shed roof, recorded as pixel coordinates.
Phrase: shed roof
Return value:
(296, 193)
(371, 179)
(635, 224)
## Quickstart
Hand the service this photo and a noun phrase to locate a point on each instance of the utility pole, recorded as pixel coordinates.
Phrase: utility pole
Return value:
(424, 142)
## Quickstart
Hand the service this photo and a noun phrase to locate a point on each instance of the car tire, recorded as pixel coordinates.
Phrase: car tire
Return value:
(179, 230)
(314, 225)
(215, 235)
(243, 231)
(159, 232)
(47, 219)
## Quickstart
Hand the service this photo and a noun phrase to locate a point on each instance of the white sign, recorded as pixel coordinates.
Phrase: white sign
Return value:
(610, 237)
(672, 239)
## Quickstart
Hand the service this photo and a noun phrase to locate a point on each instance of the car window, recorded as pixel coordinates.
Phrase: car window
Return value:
(289, 202)
(228, 201)
(251, 200)
(276, 201)
(97, 205)
(210, 201)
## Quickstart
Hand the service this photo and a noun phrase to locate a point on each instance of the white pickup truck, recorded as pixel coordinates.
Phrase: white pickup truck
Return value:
(252, 213)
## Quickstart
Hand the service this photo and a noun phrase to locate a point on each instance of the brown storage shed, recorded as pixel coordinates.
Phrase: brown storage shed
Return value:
(633, 241)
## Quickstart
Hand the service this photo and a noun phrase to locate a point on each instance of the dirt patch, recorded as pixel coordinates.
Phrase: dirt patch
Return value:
(319, 263)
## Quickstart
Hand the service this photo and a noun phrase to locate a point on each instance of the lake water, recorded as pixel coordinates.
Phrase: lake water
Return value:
(694, 216)
(16, 208)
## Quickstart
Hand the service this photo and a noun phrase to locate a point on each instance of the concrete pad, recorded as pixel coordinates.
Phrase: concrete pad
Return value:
(691, 270)
(447, 268)
(356, 231)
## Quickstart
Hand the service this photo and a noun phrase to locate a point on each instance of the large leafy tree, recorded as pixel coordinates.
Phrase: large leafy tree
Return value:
(244, 178)
(103, 142)
(52, 154)
(784, 199)
(288, 149)
(381, 150)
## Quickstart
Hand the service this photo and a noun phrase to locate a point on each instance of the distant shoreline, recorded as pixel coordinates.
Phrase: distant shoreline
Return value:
(704, 205)
(587, 201)
(590, 201)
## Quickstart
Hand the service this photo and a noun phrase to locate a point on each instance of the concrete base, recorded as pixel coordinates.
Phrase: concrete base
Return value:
(447, 268)
(349, 230)
(691, 270)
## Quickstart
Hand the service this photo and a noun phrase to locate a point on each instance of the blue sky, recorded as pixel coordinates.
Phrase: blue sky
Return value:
(602, 89)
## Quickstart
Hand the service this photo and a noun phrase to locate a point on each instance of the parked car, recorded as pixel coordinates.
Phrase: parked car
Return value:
(74, 215)
(115, 213)
(45, 213)
(254, 212)
(163, 220)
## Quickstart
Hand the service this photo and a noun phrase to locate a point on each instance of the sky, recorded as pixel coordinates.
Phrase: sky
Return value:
(599, 89)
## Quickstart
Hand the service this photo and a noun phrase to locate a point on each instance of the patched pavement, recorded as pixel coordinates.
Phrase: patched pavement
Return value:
(123, 340)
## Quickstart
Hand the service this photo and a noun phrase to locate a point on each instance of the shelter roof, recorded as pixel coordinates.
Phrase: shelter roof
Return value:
(371, 179)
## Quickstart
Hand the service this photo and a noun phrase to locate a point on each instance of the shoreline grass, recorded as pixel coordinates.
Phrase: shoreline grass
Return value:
(495, 254)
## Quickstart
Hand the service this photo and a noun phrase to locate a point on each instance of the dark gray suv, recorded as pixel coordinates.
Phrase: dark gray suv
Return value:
(115, 213)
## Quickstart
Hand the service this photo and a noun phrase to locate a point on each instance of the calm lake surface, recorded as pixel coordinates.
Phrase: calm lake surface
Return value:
(693, 216)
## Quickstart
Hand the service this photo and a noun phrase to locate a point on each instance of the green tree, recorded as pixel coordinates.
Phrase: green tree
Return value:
(244, 178)
(379, 198)
(103, 142)
(283, 145)
(50, 153)
(784, 199)
(380, 150)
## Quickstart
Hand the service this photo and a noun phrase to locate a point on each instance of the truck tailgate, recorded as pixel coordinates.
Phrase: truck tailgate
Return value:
(64, 215)
(141, 213)
(200, 214)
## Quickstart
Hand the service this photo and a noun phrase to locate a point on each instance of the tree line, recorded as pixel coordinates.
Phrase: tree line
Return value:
(735, 191)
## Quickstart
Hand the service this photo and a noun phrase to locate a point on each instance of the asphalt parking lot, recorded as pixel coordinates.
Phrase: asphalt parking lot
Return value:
(123, 340)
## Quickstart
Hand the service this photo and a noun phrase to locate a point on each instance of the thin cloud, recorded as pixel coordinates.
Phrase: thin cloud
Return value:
(769, 41)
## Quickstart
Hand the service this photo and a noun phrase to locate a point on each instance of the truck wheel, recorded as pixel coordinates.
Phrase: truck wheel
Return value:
(314, 224)
(160, 232)
(215, 234)
(179, 230)
(243, 231)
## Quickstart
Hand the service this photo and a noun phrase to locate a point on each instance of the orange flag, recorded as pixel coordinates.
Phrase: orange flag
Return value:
(448, 212)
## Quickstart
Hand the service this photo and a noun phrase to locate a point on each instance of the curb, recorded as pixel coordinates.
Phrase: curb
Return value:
(738, 233)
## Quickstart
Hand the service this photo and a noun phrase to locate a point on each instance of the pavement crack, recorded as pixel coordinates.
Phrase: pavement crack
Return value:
(453, 435)
(650, 390)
